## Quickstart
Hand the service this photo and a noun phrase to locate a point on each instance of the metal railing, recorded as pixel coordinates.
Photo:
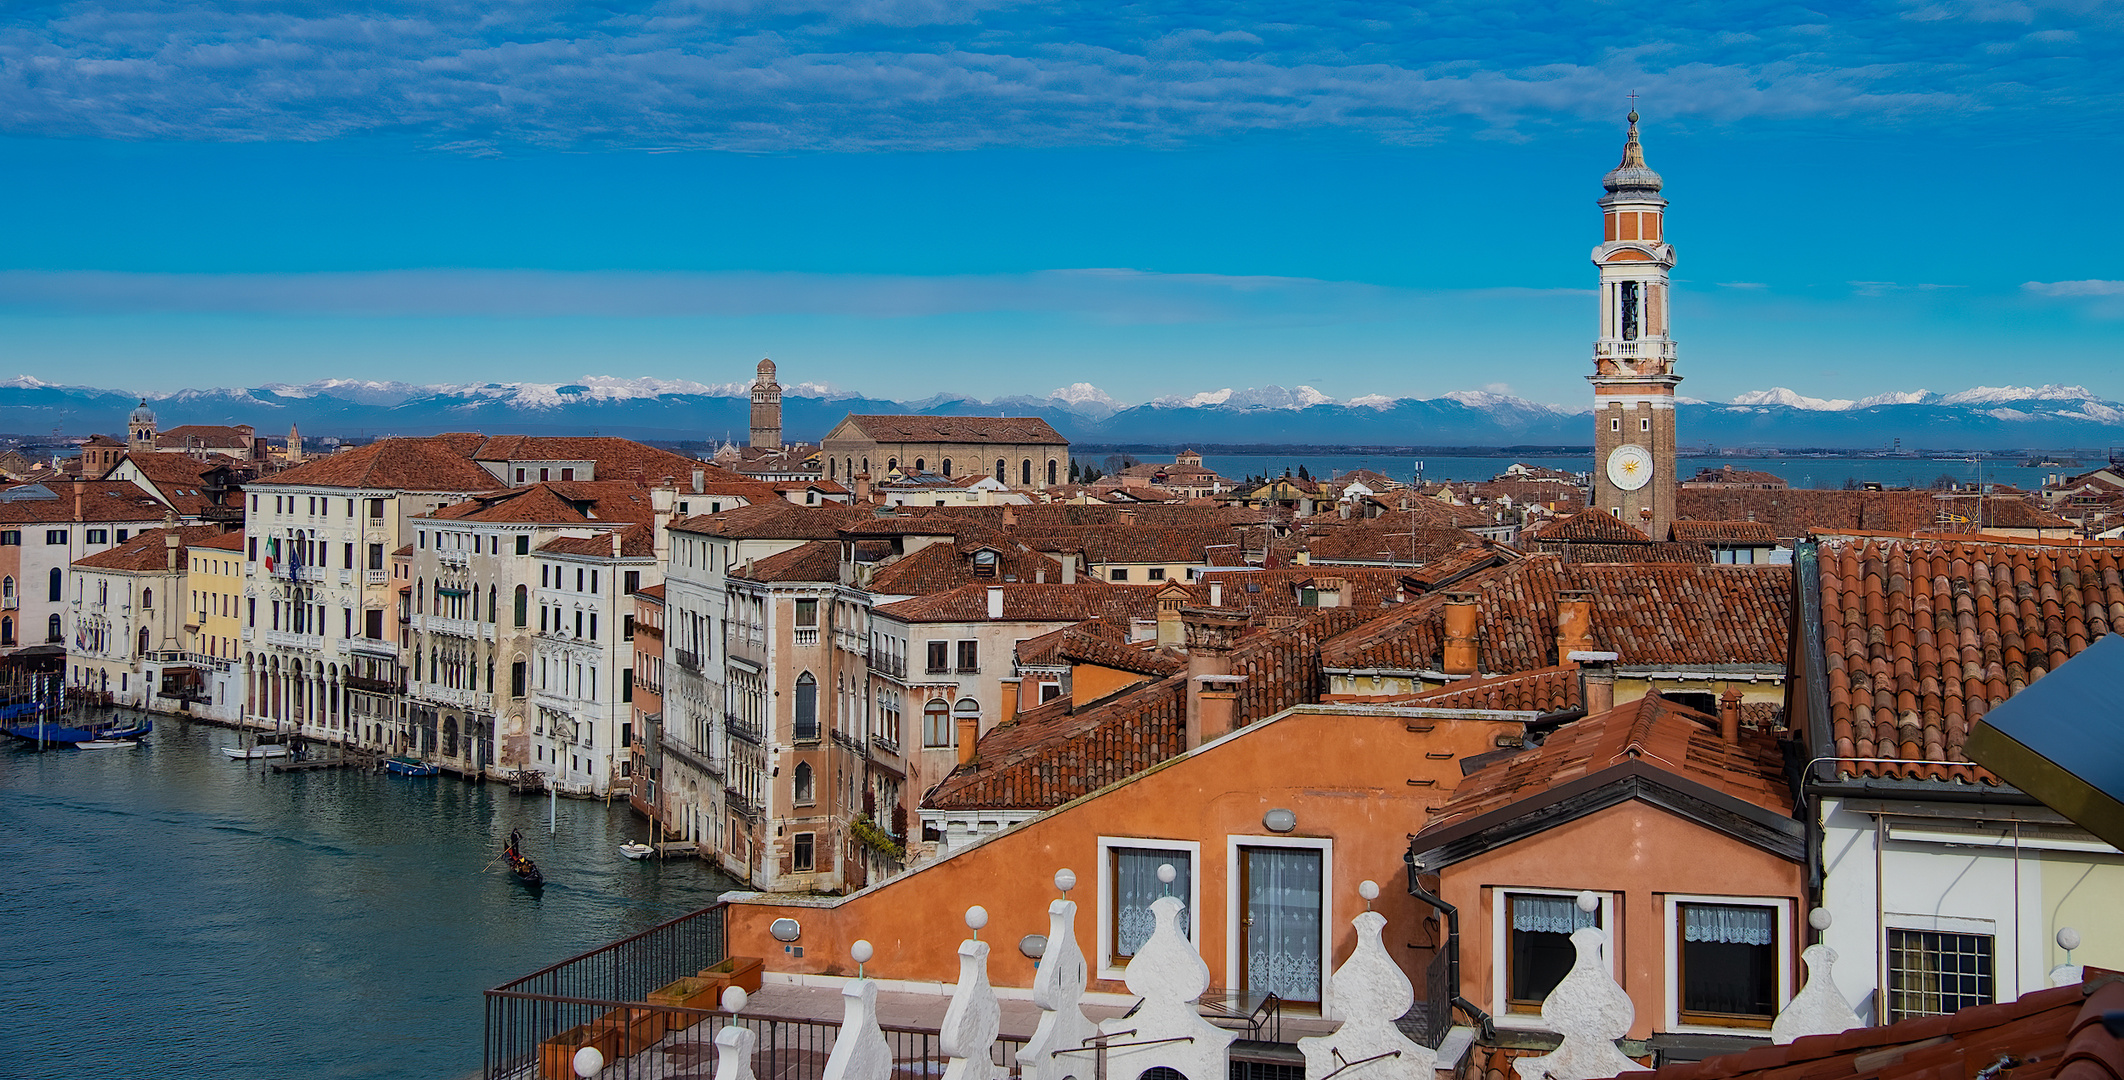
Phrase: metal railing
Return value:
(687, 659)
(1437, 1002)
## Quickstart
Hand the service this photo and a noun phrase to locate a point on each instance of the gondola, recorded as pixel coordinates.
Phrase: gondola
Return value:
(520, 864)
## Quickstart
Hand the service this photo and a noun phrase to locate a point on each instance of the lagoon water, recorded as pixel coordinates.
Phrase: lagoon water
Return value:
(1800, 472)
(169, 912)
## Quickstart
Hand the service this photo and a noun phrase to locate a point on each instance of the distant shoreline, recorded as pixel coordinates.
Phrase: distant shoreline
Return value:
(2082, 455)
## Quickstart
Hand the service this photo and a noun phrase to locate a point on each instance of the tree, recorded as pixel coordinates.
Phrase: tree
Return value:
(1116, 464)
(1303, 475)
(1943, 482)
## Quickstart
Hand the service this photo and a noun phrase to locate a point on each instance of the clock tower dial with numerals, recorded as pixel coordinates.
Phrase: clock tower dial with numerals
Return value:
(1633, 361)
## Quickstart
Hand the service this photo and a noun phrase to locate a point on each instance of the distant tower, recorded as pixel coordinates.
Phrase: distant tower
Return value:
(1633, 362)
(294, 446)
(140, 429)
(766, 409)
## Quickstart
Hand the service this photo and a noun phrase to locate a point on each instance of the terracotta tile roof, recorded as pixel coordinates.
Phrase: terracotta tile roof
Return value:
(1045, 650)
(205, 435)
(1051, 754)
(617, 459)
(819, 560)
(1087, 646)
(1591, 525)
(653, 593)
(2056, 1032)
(637, 541)
(564, 502)
(1922, 637)
(78, 500)
(1386, 538)
(1968, 513)
(1664, 551)
(1753, 533)
(1794, 512)
(225, 542)
(1282, 666)
(941, 567)
(1128, 543)
(146, 551)
(180, 479)
(1649, 733)
(1662, 614)
(1542, 690)
(775, 520)
(434, 463)
(1727, 474)
(1563, 495)
(1025, 602)
(1440, 573)
(957, 429)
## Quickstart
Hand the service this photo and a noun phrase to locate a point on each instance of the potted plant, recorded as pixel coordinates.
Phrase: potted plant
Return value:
(556, 1056)
(688, 992)
(742, 972)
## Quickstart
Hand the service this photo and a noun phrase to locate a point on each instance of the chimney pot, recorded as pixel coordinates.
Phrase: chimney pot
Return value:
(1216, 594)
(995, 601)
(1069, 568)
(1461, 621)
(1596, 681)
(969, 738)
(700, 481)
(1729, 712)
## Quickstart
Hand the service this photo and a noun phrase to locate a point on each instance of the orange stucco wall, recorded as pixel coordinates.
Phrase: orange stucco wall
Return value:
(1090, 682)
(1619, 850)
(1361, 779)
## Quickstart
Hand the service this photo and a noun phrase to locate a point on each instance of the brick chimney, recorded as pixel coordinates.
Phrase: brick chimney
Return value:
(1170, 629)
(862, 488)
(1596, 680)
(969, 736)
(1574, 623)
(1010, 516)
(1729, 704)
(1461, 621)
(1212, 689)
(1010, 700)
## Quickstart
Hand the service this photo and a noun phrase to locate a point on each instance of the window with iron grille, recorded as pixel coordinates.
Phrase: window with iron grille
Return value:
(1932, 973)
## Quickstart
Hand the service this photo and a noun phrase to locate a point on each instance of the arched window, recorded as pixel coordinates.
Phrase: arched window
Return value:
(891, 464)
(420, 595)
(802, 783)
(1050, 471)
(919, 465)
(866, 465)
(936, 724)
(7, 587)
(807, 707)
(947, 466)
(147, 598)
(58, 585)
(474, 594)
(7, 628)
(831, 469)
(449, 739)
(143, 641)
(51, 627)
(523, 605)
(1002, 472)
(1025, 472)
(493, 613)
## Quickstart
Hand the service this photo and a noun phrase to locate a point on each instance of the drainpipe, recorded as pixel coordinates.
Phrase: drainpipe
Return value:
(1452, 945)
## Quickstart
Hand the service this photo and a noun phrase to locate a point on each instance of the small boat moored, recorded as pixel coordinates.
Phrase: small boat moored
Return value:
(404, 765)
(252, 753)
(636, 850)
(109, 744)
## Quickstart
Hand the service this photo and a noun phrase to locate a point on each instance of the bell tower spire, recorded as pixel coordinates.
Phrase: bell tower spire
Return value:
(1633, 359)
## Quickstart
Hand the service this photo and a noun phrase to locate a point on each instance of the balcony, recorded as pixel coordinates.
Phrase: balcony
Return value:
(464, 628)
(454, 558)
(888, 747)
(747, 730)
(289, 639)
(374, 647)
(885, 662)
(1663, 350)
(10, 603)
(368, 685)
(247, 633)
(687, 659)
(804, 637)
(462, 697)
(375, 577)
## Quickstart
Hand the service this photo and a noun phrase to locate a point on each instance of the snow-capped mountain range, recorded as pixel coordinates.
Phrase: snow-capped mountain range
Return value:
(1985, 417)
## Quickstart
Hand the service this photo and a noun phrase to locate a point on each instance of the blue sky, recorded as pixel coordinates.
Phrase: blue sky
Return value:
(902, 197)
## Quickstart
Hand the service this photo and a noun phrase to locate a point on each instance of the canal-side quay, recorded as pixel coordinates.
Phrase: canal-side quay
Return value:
(172, 912)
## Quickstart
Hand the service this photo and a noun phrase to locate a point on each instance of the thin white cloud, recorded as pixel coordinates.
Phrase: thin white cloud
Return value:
(2096, 296)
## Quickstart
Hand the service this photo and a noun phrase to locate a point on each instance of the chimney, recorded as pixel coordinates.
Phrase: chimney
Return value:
(1010, 701)
(1212, 689)
(862, 488)
(1461, 621)
(1069, 568)
(969, 735)
(169, 547)
(1596, 680)
(1729, 704)
(1040, 575)
(995, 601)
(1128, 517)
(1574, 622)
(700, 480)
(615, 543)
(1170, 629)
(1216, 594)
(1010, 516)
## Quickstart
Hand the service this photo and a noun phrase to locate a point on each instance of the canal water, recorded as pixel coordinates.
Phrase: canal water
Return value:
(169, 912)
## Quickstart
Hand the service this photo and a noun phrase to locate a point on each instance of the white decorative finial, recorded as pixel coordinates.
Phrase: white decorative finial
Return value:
(1166, 873)
(861, 953)
(734, 999)
(1820, 918)
(1368, 889)
(1065, 880)
(977, 917)
(589, 1061)
(2068, 938)
(1588, 902)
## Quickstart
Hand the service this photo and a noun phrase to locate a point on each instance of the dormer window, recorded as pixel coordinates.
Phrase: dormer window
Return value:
(984, 563)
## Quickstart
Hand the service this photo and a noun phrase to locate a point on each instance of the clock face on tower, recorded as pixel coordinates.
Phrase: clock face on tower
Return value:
(1630, 467)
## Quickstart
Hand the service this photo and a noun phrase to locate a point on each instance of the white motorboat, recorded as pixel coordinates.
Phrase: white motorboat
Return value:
(109, 744)
(262, 750)
(635, 850)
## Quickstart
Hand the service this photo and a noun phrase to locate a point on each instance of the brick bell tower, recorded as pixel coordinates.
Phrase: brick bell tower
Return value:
(766, 409)
(1633, 362)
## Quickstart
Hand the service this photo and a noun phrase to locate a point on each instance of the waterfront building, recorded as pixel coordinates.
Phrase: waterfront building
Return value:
(44, 529)
(582, 716)
(1633, 360)
(646, 748)
(214, 582)
(128, 612)
(1025, 452)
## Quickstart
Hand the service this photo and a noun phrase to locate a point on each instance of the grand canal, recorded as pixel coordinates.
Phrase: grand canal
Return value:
(169, 912)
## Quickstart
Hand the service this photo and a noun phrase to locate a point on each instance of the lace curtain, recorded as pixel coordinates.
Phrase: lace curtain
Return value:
(1283, 940)
(1729, 925)
(1136, 885)
(1550, 914)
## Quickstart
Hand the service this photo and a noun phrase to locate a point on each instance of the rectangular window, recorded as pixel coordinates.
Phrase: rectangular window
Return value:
(1157, 573)
(519, 476)
(516, 679)
(801, 856)
(1538, 949)
(626, 684)
(376, 556)
(523, 544)
(1119, 573)
(349, 556)
(55, 536)
(1132, 883)
(10, 537)
(970, 656)
(97, 536)
(567, 474)
(627, 628)
(1932, 973)
(252, 548)
(1728, 955)
(633, 581)
(1644, 424)
(939, 656)
(122, 533)
(807, 614)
